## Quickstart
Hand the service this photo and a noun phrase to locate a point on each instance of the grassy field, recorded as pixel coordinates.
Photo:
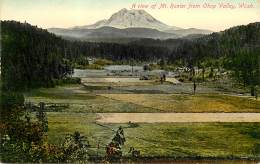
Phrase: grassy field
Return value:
(222, 140)
(81, 99)
(190, 103)
(177, 140)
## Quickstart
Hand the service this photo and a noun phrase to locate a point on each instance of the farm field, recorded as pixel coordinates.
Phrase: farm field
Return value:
(85, 107)
(81, 99)
(190, 103)
(216, 140)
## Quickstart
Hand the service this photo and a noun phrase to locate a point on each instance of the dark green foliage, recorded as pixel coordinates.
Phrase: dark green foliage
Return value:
(18, 135)
(211, 72)
(236, 49)
(256, 150)
(75, 148)
(67, 80)
(146, 67)
(71, 80)
(82, 61)
(245, 65)
(103, 62)
(224, 44)
(31, 57)
(162, 63)
(11, 99)
(24, 139)
(42, 117)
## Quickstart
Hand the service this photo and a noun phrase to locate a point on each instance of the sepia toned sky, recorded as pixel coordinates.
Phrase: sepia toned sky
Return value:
(68, 13)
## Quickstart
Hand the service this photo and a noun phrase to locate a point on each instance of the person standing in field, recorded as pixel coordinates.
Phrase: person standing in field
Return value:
(164, 77)
(256, 92)
(194, 87)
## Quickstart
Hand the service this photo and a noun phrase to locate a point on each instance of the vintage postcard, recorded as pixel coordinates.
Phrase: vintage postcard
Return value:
(130, 81)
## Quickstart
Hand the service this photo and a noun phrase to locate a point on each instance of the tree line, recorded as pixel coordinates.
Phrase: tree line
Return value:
(236, 49)
(33, 57)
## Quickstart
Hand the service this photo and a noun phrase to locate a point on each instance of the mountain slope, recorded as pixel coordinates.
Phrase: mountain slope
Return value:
(111, 32)
(127, 24)
(225, 44)
(131, 19)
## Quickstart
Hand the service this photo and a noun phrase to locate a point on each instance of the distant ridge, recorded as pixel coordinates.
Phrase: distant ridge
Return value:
(127, 24)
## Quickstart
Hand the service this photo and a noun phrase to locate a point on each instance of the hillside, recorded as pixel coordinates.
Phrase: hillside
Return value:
(223, 44)
(31, 57)
(29, 51)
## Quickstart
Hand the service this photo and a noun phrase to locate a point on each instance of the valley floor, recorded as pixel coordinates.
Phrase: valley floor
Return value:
(186, 136)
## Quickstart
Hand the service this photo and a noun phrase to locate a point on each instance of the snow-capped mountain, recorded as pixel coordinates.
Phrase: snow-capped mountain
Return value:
(127, 24)
(131, 19)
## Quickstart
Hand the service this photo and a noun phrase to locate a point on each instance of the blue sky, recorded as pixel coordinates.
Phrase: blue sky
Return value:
(68, 13)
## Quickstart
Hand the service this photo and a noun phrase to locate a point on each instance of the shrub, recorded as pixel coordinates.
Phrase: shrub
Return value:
(71, 80)
(93, 66)
(11, 99)
(103, 62)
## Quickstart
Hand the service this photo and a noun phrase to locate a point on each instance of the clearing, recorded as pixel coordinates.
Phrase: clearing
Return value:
(190, 103)
(170, 140)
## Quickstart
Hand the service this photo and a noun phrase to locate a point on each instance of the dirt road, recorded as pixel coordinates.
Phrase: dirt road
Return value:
(177, 117)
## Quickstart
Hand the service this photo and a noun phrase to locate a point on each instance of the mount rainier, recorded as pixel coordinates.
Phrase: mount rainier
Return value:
(126, 24)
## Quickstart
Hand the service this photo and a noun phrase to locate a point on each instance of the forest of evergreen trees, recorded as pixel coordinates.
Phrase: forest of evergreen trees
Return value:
(33, 57)
(236, 49)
